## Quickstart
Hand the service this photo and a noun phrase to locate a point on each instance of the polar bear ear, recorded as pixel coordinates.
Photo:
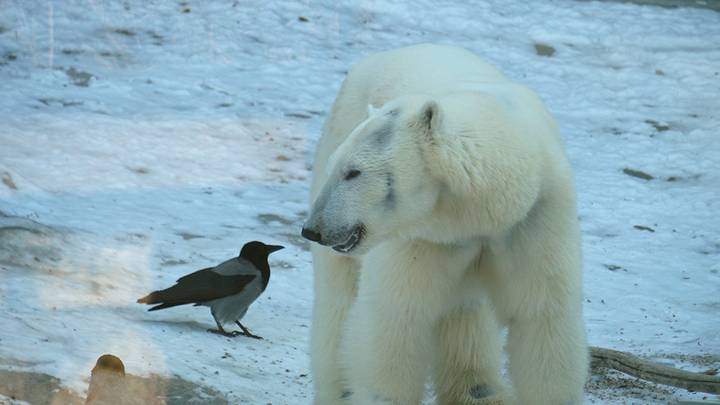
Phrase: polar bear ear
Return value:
(429, 117)
(372, 111)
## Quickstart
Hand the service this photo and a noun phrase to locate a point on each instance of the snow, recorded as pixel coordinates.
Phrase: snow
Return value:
(143, 140)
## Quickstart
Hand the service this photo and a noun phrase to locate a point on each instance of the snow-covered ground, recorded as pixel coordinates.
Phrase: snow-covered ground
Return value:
(141, 140)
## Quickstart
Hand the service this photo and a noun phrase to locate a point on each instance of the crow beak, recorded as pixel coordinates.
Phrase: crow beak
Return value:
(274, 248)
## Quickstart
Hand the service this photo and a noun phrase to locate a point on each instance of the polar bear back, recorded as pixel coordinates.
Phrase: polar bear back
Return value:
(429, 69)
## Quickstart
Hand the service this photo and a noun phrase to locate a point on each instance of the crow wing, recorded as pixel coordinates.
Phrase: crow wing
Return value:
(198, 287)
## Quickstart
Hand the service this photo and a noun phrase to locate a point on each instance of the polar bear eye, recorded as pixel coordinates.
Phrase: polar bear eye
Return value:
(352, 174)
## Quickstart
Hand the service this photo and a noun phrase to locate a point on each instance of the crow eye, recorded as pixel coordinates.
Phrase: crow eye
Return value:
(352, 174)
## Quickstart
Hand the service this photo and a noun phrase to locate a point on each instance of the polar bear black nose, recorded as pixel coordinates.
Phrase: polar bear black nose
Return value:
(311, 235)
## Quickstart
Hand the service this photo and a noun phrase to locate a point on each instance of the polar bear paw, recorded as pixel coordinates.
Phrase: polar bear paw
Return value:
(477, 395)
(480, 394)
(369, 398)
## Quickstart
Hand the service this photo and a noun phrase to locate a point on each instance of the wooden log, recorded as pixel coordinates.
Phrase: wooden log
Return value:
(654, 372)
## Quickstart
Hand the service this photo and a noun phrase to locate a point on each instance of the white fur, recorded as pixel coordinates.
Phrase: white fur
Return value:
(468, 207)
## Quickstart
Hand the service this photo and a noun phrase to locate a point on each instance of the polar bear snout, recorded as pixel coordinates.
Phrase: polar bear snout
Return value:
(314, 229)
(342, 240)
(311, 235)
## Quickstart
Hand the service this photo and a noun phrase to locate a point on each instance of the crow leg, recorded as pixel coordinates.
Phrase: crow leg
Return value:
(246, 332)
(221, 331)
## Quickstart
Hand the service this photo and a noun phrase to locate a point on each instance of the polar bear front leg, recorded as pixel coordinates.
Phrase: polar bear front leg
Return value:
(405, 287)
(548, 358)
(467, 357)
(335, 288)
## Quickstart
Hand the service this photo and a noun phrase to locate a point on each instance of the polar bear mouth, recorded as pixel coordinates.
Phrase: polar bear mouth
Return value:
(352, 241)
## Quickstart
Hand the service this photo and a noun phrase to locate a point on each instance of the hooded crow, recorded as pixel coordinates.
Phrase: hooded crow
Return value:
(228, 288)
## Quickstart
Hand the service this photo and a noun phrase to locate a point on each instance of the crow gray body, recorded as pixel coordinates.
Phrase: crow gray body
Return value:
(228, 288)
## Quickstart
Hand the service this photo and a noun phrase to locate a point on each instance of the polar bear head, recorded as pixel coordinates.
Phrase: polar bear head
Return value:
(444, 170)
(377, 184)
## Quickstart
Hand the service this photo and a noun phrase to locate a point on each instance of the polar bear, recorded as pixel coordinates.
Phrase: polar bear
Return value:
(443, 208)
